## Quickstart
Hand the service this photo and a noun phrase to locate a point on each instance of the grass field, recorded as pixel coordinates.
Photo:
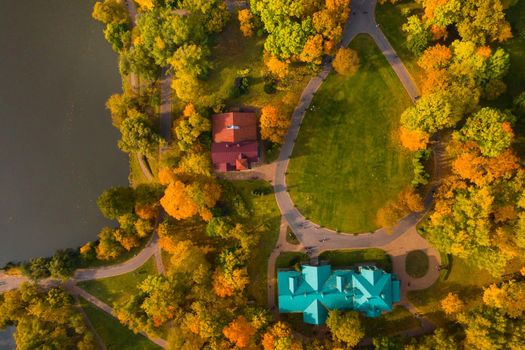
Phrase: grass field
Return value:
(416, 263)
(289, 259)
(114, 334)
(265, 220)
(347, 162)
(113, 289)
(352, 257)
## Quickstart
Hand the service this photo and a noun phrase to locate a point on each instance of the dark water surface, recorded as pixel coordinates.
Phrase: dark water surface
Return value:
(57, 146)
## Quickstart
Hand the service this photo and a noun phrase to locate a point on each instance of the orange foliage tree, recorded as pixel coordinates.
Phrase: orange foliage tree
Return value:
(313, 49)
(408, 201)
(413, 140)
(239, 331)
(245, 17)
(277, 67)
(274, 124)
(227, 282)
(177, 203)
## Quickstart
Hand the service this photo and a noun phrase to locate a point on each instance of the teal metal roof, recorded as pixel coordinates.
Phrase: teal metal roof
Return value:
(317, 289)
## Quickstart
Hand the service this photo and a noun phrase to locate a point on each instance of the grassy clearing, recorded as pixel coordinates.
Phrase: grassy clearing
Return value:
(388, 324)
(113, 333)
(234, 52)
(113, 289)
(391, 19)
(265, 220)
(340, 258)
(515, 79)
(290, 259)
(136, 176)
(462, 279)
(349, 144)
(416, 263)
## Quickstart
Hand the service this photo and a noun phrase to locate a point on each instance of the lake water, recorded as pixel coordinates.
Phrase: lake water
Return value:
(58, 149)
(6, 339)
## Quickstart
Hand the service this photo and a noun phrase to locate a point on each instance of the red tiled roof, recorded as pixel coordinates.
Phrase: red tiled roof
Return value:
(241, 164)
(225, 155)
(234, 127)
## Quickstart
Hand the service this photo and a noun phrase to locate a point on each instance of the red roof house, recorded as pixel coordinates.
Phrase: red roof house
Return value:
(235, 145)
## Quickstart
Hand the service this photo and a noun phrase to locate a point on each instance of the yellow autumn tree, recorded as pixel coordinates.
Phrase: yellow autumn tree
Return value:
(145, 4)
(274, 124)
(245, 17)
(177, 203)
(239, 331)
(346, 61)
(509, 297)
(452, 304)
(313, 49)
(227, 283)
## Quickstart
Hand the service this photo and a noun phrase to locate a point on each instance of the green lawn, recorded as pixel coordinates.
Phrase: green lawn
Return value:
(391, 19)
(113, 333)
(265, 220)
(347, 258)
(390, 323)
(289, 259)
(347, 162)
(416, 264)
(113, 289)
(233, 52)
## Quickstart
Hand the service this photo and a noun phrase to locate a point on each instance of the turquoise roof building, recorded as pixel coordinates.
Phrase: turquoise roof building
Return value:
(317, 289)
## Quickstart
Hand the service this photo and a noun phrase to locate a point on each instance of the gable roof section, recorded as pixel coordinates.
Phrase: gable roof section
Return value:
(315, 313)
(234, 127)
(225, 155)
(316, 276)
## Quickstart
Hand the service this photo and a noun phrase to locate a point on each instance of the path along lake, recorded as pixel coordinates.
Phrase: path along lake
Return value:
(58, 148)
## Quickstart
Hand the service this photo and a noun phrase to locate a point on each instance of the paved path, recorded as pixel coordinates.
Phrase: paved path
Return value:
(362, 20)
(119, 269)
(403, 238)
(89, 324)
(77, 291)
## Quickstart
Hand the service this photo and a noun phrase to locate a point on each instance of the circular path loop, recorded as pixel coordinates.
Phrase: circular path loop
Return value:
(403, 238)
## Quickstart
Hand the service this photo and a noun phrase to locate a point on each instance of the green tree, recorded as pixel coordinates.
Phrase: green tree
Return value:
(490, 129)
(138, 136)
(64, 263)
(345, 327)
(431, 113)
(189, 127)
(44, 320)
(418, 38)
(36, 269)
(116, 201)
(118, 35)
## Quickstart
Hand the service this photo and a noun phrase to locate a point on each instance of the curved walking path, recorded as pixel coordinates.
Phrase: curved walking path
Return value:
(403, 238)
